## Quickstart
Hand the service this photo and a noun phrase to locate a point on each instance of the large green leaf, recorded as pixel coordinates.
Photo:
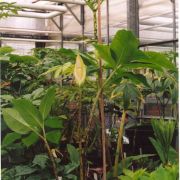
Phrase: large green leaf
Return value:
(47, 102)
(128, 91)
(53, 136)
(28, 112)
(31, 139)
(158, 59)
(142, 65)
(124, 45)
(54, 122)
(14, 121)
(41, 160)
(69, 168)
(163, 131)
(126, 164)
(10, 138)
(74, 154)
(174, 94)
(22, 170)
(158, 148)
(135, 78)
(104, 53)
(173, 155)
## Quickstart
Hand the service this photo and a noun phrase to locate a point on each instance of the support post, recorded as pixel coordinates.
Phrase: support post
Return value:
(174, 27)
(107, 21)
(101, 98)
(61, 28)
(107, 26)
(133, 16)
(82, 9)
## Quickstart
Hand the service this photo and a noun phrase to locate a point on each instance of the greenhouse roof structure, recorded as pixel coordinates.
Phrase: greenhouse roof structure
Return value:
(50, 20)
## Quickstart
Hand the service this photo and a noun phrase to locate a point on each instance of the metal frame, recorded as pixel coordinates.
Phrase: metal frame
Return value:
(56, 24)
(60, 27)
(159, 43)
(132, 21)
(74, 15)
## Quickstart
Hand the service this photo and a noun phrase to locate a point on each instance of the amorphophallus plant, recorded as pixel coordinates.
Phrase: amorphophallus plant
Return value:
(79, 71)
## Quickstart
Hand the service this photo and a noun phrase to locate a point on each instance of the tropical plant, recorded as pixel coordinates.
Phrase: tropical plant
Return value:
(164, 87)
(122, 57)
(164, 131)
(167, 173)
(25, 118)
(52, 57)
(127, 163)
(19, 73)
(39, 167)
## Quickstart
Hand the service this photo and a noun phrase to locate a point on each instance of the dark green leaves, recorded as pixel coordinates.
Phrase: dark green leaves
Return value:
(105, 54)
(74, 158)
(10, 138)
(24, 170)
(124, 52)
(123, 46)
(157, 59)
(25, 118)
(127, 91)
(74, 154)
(47, 103)
(14, 58)
(54, 136)
(41, 160)
(31, 139)
(158, 148)
(54, 122)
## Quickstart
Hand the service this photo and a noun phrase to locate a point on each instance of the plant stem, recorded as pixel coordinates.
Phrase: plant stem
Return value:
(94, 104)
(101, 98)
(81, 161)
(79, 134)
(119, 144)
(91, 116)
(95, 24)
(50, 155)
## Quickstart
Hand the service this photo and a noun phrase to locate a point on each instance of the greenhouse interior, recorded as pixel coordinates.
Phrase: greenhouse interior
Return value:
(89, 89)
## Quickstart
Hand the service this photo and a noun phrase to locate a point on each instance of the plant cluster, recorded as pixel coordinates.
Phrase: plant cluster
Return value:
(51, 108)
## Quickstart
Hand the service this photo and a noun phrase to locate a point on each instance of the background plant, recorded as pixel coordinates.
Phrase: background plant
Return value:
(168, 172)
(164, 131)
(7, 9)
